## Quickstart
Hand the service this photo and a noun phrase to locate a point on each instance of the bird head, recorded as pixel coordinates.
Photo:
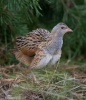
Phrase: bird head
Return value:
(62, 28)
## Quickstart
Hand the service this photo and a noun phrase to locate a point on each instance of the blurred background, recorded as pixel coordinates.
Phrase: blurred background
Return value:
(18, 17)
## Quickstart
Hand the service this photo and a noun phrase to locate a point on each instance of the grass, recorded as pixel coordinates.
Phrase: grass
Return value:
(55, 84)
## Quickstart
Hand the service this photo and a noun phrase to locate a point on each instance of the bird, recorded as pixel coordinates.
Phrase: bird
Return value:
(40, 47)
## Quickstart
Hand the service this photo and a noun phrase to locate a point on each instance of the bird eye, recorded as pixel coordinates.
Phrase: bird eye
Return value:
(62, 27)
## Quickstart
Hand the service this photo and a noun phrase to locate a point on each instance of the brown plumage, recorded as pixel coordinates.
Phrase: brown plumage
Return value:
(26, 46)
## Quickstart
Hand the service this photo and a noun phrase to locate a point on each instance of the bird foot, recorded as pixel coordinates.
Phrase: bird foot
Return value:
(34, 78)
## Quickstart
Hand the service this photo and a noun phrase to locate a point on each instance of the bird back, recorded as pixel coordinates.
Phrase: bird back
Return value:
(29, 44)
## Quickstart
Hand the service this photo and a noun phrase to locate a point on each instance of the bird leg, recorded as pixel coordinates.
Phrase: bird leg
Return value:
(34, 78)
(28, 72)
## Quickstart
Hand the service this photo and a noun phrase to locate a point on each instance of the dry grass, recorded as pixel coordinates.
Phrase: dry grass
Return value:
(61, 82)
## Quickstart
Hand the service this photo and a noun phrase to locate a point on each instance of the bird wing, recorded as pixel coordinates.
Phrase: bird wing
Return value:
(29, 44)
(26, 46)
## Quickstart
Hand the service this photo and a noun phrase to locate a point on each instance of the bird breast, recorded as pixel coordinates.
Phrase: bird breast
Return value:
(55, 57)
(55, 46)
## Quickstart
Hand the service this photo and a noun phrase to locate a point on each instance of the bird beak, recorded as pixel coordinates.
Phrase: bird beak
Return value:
(69, 30)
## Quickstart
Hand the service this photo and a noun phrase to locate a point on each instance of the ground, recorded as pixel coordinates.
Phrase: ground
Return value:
(60, 82)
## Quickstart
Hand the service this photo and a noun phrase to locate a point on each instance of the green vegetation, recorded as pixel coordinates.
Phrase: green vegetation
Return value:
(18, 17)
(62, 83)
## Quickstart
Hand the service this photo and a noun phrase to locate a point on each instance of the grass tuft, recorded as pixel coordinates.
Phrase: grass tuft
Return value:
(54, 85)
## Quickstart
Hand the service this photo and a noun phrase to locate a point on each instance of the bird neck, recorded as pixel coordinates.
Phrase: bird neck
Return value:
(55, 43)
(57, 35)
